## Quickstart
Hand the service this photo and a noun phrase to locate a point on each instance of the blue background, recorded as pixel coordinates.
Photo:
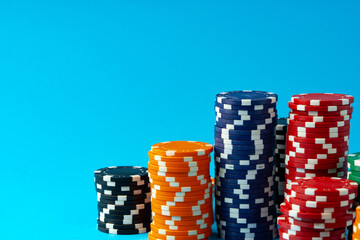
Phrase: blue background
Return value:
(89, 84)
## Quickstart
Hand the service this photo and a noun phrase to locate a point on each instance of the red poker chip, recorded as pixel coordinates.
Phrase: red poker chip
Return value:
(315, 161)
(318, 130)
(317, 135)
(315, 166)
(314, 234)
(290, 170)
(323, 113)
(302, 107)
(322, 99)
(338, 150)
(317, 140)
(316, 156)
(290, 235)
(317, 146)
(315, 210)
(302, 118)
(310, 216)
(318, 124)
(325, 186)
(304, 197)
(338, 222)
(293, 176)
(283, 221)
(319, 206)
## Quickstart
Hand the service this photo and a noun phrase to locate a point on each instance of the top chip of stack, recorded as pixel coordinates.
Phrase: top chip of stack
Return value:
(317, 208)
(181, 190)
(123, 195)
(317, 136)
(244, 166)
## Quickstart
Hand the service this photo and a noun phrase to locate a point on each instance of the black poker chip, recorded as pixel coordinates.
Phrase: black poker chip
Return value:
(123, 203)
(122, 174)
(124, 226)
(125, 219)
(143, 208)
(125, 207)
(123, 188)
(124, 232)
(122, 184)
(119, 192)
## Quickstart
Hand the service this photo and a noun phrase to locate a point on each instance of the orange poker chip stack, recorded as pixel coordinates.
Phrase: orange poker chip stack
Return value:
(356, 225)
(181, 190)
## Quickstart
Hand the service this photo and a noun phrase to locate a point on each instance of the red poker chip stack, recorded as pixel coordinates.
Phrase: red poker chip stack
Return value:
(318, 135)
(317, 208)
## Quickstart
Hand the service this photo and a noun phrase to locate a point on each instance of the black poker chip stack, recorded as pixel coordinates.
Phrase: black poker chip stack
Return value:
(123, 195)
(281, 129)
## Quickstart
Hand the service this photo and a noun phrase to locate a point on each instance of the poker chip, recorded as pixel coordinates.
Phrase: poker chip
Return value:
(346, 112)
(123, 195)
(318, 124)
(281, 130)
(181, 190)
(323, 119)
(302, 107)
(244, 146)
(322, 99)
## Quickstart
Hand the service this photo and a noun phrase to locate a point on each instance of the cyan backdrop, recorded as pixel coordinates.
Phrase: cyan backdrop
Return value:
(89, 84)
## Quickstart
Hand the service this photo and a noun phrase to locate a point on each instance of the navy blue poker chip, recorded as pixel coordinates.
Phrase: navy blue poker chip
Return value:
(228, 234)
(244, 196)
(258, 180)
(244, 132)
(258, 107)
(259, 185)
(270, 145)
(252, 192)
(260, 229)
(247, 226)
(244, 171)
(246, 122)
(241, 157)
(266, 152)
(244, 176)
(246, 143)
(249, 164)
(244, 112)
(249, 217)
(245, 137)
(240, 212)
(247, 117)
(244, 167)
(236, 203)
(246, 127)
(246, 97)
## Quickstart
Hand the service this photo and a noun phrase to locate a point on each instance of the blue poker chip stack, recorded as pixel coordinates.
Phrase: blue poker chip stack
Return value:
(244, 164)
(279, 156)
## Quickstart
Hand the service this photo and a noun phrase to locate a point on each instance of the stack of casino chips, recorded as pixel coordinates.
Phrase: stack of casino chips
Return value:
(123, 195)
(281, 129)
(318, 135)
(181, 190)
(317, 208)
(244, 164)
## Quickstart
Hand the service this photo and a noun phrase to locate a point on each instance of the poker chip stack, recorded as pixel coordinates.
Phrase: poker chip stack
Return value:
(318, 135)
(317, 208)
(123, 195)
(181, 190)
(244, 164)
(281, 129)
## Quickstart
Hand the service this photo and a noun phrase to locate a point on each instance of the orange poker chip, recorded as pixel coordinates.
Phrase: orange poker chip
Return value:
(181, 198)
(179, 214)
(179, 179)
(182, 148)
(182, 204)
(178, 159)
(159, 187)
(176, 169)
(182, 218)
(170, 195)
(180, 183)
(202, 164)
(183, 227)
(178, 174)
(161, 231)
(190, 223)
(155, 233)
(202, 207)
